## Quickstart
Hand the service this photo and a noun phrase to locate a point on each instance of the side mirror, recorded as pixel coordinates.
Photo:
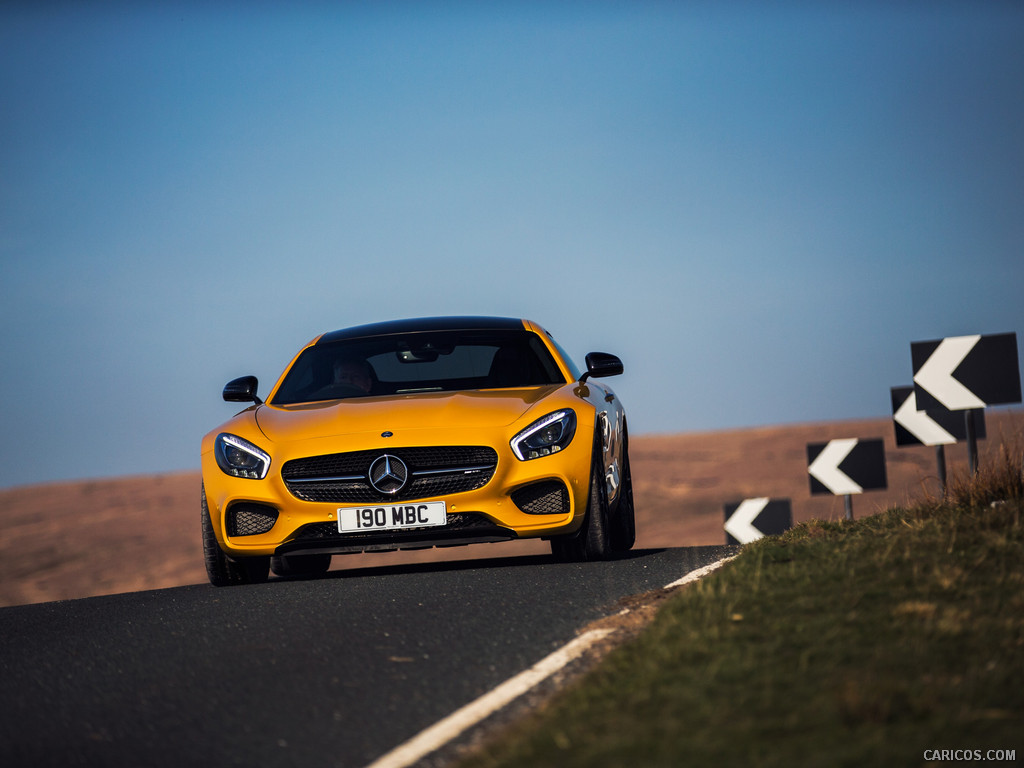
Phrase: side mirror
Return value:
(242, 390)
(601, 364)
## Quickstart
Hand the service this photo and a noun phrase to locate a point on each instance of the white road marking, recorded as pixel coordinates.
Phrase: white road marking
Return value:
(446, 730)
(700, 573)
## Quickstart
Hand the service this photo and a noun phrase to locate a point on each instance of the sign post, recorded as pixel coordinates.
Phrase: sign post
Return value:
(940, 460)
(972, 441)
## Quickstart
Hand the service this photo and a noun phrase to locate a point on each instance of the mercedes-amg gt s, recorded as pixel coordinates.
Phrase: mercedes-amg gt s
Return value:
(412, 434)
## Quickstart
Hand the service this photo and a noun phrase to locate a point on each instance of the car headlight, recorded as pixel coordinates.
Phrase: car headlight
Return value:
(545, 436)
(240, 458)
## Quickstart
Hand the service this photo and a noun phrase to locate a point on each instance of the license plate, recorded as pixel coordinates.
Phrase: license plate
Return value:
(392, 517)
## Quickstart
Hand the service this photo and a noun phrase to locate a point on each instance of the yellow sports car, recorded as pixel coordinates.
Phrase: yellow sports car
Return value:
(417, 433)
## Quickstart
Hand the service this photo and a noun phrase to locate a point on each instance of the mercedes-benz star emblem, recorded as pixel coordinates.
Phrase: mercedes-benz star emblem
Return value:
(388, 474)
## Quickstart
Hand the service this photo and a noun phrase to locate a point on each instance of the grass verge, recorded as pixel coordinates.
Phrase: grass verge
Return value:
(862, 643)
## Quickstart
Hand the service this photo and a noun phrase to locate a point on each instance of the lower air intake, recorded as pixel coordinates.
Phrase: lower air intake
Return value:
(246, 519)
(548, 498)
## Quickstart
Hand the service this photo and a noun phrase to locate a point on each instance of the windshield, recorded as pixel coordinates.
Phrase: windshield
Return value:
(418, 362)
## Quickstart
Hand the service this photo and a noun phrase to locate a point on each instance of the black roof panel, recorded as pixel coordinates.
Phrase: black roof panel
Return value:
(424, 324)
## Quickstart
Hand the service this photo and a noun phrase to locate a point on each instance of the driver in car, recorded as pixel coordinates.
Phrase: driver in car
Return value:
(353, 373)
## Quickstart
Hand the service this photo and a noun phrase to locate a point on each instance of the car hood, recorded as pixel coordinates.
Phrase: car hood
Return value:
(481, 409)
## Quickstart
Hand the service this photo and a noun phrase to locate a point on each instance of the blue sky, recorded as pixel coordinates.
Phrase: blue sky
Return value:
(758, 206)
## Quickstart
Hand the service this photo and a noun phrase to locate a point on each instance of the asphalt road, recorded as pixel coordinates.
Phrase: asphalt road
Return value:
(332, 672)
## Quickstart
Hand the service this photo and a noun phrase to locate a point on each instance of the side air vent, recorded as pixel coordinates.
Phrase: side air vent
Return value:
(249, 519)
(548, 498)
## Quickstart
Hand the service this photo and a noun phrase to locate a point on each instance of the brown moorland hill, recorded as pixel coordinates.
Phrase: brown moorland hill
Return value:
(95, 537)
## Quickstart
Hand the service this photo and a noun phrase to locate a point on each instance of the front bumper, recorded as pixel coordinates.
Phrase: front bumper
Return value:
(521, 500)
(460, 530)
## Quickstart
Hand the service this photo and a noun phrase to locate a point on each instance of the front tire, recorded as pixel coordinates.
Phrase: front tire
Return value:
(623, 527)
(593, 540)
(224, 571)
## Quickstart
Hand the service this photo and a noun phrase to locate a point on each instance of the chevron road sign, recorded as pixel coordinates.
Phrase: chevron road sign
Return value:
(846, 466)
(937, 426)
(752, 519)
(966, 372)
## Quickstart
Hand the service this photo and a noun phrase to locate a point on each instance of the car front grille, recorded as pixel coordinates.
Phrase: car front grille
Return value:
(550, 497)
(343, 478)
